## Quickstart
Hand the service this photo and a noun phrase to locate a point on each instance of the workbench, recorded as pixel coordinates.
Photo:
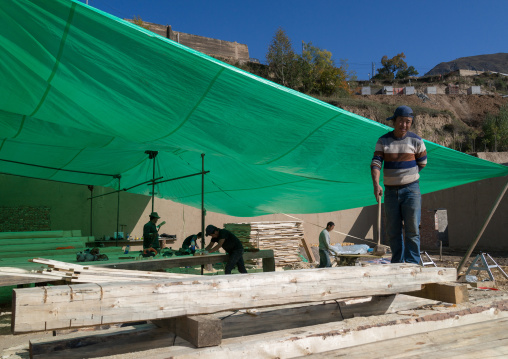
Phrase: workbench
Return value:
(184, 261)
(163, 242)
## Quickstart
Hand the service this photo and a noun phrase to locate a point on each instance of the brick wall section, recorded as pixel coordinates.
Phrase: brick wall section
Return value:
(24, 219)
(227, 50)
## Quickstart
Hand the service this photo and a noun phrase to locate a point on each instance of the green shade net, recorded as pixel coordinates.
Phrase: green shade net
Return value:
(84, 91)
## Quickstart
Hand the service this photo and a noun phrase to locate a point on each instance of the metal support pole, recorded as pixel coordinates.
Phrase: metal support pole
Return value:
(152, 155)
(153, 185)
(202, 205)
(90, 187)
(118, 212)
(473, 244)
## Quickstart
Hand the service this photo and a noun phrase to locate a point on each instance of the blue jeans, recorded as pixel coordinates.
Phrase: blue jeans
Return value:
(403, 204)
(324, 259)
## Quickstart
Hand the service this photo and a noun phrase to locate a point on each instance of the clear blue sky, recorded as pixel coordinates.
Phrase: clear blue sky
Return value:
(427, 31)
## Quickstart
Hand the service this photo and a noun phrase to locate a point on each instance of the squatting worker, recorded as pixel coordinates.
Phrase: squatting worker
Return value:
(324, 246)
(188, 241)
(230, 243)
(404, 156)
(151, 233)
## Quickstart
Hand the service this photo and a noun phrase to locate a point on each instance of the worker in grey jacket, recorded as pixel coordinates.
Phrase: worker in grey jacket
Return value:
(324, 246)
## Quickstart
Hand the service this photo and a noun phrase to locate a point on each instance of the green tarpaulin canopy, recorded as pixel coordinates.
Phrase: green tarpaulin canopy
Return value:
(82, 90)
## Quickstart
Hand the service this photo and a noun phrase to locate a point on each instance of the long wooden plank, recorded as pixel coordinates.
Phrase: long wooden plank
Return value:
(303, 341)
(71, 346)
(200, 332)
(470, 341)
(8, 279)
(93, 304)
(268, 319)
(183, 261)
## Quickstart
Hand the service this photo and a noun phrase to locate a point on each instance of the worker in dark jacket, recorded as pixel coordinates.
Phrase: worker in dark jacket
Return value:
(223, 238)
(151, 233)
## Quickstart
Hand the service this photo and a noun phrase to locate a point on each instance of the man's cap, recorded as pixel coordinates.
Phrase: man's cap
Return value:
(402, 111)
(210, 229)
(154, 214)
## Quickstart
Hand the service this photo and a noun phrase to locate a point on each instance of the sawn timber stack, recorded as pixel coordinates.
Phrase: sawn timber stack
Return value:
(284, 237)
(72, 306)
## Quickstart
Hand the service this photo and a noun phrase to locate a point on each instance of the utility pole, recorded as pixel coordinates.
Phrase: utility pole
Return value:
(373, 69)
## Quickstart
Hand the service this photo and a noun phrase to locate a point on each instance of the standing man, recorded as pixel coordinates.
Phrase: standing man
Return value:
(230, 243)
(324, 246)
(404, 155)
(151, 233)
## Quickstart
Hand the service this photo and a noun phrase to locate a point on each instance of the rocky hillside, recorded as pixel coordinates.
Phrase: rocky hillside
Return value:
(494, 62)
(450, 120)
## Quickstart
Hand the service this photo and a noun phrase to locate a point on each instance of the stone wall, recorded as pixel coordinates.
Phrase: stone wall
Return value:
(227, 50)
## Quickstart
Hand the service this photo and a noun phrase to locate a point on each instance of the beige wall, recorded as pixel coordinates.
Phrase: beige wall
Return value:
(183, 220)
(467, 206)
(70, 209)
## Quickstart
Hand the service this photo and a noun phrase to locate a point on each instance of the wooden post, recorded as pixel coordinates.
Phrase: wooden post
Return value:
(200, 330)
(308, 251)
(454, 293)
(269, 264)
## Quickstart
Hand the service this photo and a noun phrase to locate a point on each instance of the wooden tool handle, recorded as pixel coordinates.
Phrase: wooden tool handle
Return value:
(379, 220)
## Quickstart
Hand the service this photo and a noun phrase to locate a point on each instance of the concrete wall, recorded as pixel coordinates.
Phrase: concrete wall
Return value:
(468, 207)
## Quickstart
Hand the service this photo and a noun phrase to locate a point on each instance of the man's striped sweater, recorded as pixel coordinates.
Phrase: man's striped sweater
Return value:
(403, 157)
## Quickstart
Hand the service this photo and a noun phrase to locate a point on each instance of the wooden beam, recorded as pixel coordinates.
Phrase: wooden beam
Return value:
(126, 340)
(7, 279)
(480, 340)
(304, 341)
(308, 251)
(81, 305)
(268, 319)
(199, 330)
(300, 342)
(183, 261)
(445, 292)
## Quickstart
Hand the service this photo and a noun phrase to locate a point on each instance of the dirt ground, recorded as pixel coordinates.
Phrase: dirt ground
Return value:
(16, 347)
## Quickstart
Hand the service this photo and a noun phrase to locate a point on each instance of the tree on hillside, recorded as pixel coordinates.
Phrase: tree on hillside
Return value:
(318, 72)
(391, 67)
(350, 74)
(495, 129)
(404, 74)
(282, 60)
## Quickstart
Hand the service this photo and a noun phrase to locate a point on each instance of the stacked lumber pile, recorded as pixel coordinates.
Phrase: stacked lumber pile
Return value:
(75, 273)
(17, 248)
(45, 243)
(283, 237)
